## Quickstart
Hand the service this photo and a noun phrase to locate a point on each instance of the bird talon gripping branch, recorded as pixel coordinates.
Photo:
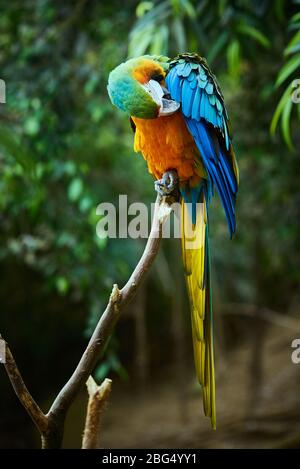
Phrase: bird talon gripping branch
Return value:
(167, 184)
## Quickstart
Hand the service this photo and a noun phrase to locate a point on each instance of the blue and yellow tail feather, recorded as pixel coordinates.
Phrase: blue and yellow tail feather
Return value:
(196, 262)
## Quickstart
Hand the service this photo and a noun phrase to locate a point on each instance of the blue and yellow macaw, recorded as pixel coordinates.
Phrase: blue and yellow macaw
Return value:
(181, 128)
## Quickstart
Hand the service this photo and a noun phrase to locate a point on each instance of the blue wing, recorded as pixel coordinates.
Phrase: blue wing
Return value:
(191, 83)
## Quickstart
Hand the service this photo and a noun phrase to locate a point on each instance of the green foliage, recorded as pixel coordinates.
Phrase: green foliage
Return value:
(186, 25)
(287, 74)
(63, 148)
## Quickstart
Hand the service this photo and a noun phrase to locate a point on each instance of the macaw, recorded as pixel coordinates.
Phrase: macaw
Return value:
(181, 127)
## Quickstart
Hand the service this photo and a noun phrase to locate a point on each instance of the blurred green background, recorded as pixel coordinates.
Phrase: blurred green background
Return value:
(64, 149)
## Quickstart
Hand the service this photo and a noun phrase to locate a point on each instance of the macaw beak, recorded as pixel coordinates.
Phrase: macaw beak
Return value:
(161, 96)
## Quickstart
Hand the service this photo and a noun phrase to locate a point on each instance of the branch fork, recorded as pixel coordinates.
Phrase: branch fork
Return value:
(51, 425)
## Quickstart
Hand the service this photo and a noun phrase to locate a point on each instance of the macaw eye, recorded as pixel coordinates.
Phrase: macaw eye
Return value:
(157, 77)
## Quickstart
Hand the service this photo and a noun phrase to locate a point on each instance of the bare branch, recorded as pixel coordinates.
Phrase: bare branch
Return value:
(98, 396)
(22, 392)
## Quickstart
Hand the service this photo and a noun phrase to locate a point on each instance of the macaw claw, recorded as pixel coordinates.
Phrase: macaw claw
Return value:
(167, 184)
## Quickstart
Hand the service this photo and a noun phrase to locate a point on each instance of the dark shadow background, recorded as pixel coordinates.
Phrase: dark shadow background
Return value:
(64, 149)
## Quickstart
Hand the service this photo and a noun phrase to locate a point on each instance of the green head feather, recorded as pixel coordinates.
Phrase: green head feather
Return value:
(125, 85)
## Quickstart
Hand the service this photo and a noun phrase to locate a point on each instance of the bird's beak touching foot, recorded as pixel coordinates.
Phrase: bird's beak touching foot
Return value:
(168, 107)
(162, 97)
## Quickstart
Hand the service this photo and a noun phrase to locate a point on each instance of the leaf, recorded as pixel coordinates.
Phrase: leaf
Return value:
(85, 204)
(233, 59)
(293, 42)
(13, 146)
(62, 285)
(283, 110)
(218, 45)
(102, 371)
(31, 126)
(286, 95)
(159, 43)
(255, 34)
(179, 34)
(288, 69)
(285, 123)
(188, 8)
(143, 8)
(75, 189)
(156, 14)
(295, 17)
(140, 41)
(292, 50)
(294, 26)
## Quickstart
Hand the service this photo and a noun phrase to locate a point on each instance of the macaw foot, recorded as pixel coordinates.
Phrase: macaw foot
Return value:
(167, 184)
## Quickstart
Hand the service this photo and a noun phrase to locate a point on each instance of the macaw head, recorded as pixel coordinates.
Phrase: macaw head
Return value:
(138, 88)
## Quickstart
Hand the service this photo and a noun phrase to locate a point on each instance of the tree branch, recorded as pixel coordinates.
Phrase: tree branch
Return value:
(22, 392)
(51, 426)
(98, 396)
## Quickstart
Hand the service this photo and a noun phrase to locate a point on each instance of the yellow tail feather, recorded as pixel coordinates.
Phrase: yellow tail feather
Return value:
(198, 284)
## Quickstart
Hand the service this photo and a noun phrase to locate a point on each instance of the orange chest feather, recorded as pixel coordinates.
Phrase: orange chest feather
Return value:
(166, 144)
